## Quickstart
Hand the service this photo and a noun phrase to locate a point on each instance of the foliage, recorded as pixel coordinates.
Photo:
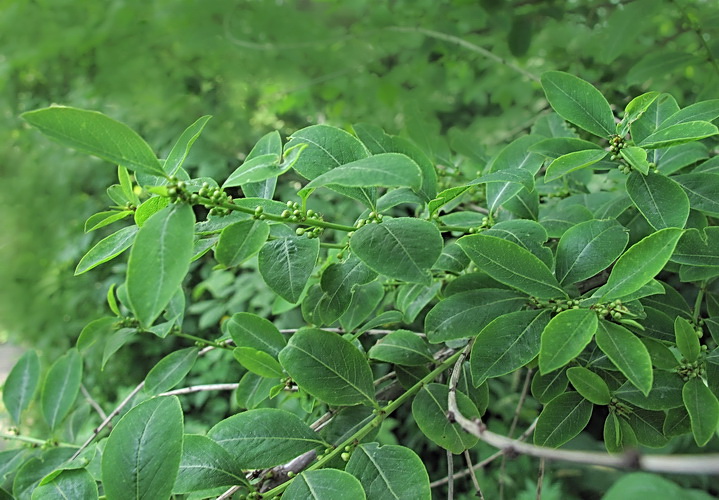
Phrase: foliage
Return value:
(569, 268)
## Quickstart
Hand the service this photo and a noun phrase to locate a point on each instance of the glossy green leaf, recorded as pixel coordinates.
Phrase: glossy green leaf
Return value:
(102, 219)
(636, 158)
(264, 438)
(34, 470)
(258, 362)
(429, 410)
(703, 408)
(512, 265)
(660, 200)
(250, 330)
(142, 455)
(253, 390)
(413, 297)
(677, 422)
(697, 249)
(328, 367)
(666, 392)
(445, 197)
(562, 419)
(324, 484)
(205, 465)
(638, 265)
(73, 483)
(547, 387)
(687, 339)
(389, 472)
(612, 433)
(571, 162)
(506, 344)
(403, 248)
(701, 188)
(634, 110)
(159, 260)
(465, 314)
(588, 248)
(578, 102)
(255, 169)
(565, 337)
(150, 207)
(364, 300)
(511, 176)
(555, 147)
(177, 155)
(97, 134)
(658, 111)
(287, 263)
(21, 384)
(704, 110)
(679, 134)
(515, 156)
(94, 331)
(402, 347)
(627, 353)
(270, 143)
(106, 249)
(240, 241)
(60, 388)
(170, 370)
(338, 282)
(591, 386)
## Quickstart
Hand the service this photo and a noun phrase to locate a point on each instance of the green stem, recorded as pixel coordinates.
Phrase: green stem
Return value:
(698, 301)
(461, 229)
(375, 422)
(200, 340)
(35, 441)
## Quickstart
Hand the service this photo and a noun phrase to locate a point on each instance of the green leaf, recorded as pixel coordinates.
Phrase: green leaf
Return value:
(73, 483)
(636, 158)
(547, 387)
(253, 390)
(170, 370)
(402, 347)
(571, 162)
(413, 297)
(324, 484)
(240, 241)
(679, 134)
(644, 485)
(705, 111)
(328, 367)
(515, 156)
(701, 188)
(142, 455)
(512, 176)
(697, 249)
(578, 102)
(364, 300)
(703, 408)
(562, 419)
(338, 283)
(59, 391)
(149, 208)
(159, 261)
(380, 170)
(506, 344)
(429, 410)
(591, 386)
(31, 472)
(97, 134)
(94, 331)
(638, 265)
(270, 143)
(465, 314)
(389, 472)
(287, 263)
(264, 438)
(106, 249)
(177, 155)
(205, 465)
(512, 265)
(258, 362)
(634, 110)
(445, 197)
(404, 248)
(660, 200)
(588, 248)
(256, 169)
(250, 330)
(627, 353)
(666, 392)
(565, 337)
(648, 426)
(102, 219)
(21, 384)
(687, 340)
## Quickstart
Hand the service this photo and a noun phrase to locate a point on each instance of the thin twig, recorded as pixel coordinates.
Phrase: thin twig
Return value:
(472, 475)
(228, 494)
(92, 402)
(540, 479)
(201, 388)
(450, 475)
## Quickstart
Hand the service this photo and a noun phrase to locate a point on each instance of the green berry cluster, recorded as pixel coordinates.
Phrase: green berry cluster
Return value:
(484, 225)
(372, 218)
(127, 322)
(555, 305)
(447, 177)
(216, 196)
(616, 144)
(612, 310)
(130, 206)
(695, 369)
(177, 191)
(619, 408)
(294, 213)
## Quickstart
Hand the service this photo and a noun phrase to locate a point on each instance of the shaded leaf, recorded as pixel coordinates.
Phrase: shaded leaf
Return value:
(627, 353)
(21, 384)
(565, 337)
(287, 263)
(61, 386)
(205, 465)
(429, 410)
(562, 419)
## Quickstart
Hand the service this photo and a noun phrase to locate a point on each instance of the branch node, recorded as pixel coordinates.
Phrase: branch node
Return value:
(451, 418)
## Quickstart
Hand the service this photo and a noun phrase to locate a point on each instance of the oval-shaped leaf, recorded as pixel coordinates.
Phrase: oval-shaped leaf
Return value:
(679, 134)
(142, 455)
(97, 134)
(106, 249)
(287, 263)
(572, 161)
(402, 347)
(59, 391)
(338, 283)
(264, 438)
(512, 265)
(240, 241)
(697, 249)
(205, 465)
(506, 344)
(255, 169)
(627, 353)
(72, 483)
(638, 265)
(329, 367)
(465, 314)
(34, 469)
(403, 248)
(661, 201)
(517, 155)
(687, 340)
(636, 158)
(21, 384)
(703, 408)
(565, 337)
(102, 219)
(562, 419)
(250, 330)
(547, 387)
(591, 386)
(666, 392)
(170, 370)
(389, 472)
(578, 102)
(588, 248)
(429, 410)
(380, 170)
(324, 484)
(258, 362)
(159, 261)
